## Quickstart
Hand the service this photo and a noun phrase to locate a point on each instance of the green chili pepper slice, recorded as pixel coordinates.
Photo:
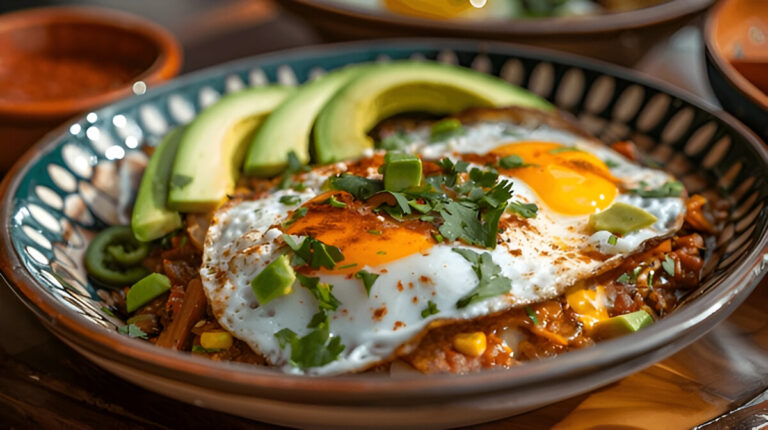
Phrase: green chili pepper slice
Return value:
(114, 256)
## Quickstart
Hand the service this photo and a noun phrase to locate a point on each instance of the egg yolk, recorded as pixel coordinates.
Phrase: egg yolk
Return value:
(435, 9)
(361, 235)
(568, 180)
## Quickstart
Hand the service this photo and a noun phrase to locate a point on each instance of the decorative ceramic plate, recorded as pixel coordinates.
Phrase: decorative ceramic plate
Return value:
(83, 177)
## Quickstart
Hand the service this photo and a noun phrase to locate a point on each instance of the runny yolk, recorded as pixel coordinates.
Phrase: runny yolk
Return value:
(569, 181)
(361, 235)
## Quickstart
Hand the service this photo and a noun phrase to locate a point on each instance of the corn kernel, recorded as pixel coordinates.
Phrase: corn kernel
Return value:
(472, 344)
(216, 340)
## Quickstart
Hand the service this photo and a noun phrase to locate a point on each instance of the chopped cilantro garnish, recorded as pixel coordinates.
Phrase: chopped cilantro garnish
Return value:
(335, 203)
(627, 278)
(347, 266)
(322, 292)
(180, 181)
(532, 315)
(361, 188)
(564, 149)
(431, 309)
(438, 237)
(132, 330)
(297, 215)
(668, 265)
(314, 252)
(610, 163)
(381, 252)
(368, 280)
(512, 162)
(668, 189)
(315, 349)
(294, 166)
(445, 129)
(612, 239)
(525, 210)
(491, 282)
(374, 232)
(623, 279)
(290, 200)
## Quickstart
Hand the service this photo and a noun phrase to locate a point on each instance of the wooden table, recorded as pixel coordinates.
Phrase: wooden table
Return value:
(44, 384)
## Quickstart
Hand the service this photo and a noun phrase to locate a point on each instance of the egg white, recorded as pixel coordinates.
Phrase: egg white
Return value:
(542, 259)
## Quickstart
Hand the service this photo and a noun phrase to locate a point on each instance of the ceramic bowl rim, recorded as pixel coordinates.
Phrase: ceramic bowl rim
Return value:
(270, 383)
(166, 64)
(746, 88)
(541, 27)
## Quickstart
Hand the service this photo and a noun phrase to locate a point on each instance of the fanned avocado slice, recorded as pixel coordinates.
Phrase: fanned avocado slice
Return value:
(151, 218)
(398, 87)
(212, 147)
(289, 127)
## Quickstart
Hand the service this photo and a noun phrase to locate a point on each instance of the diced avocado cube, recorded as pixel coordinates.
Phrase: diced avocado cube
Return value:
(622, 324)
(145, 290)
(274, 281)
(401, 171)
(621, 218)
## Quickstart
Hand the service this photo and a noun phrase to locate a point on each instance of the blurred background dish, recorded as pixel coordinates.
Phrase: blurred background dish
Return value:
(58, 62)
(620, 31)
(736, 37)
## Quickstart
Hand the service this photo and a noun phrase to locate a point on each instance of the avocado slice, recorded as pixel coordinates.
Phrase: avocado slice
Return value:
(405, 86)
(212, 147)
(291, 124)
(151, 219)
(145, 290)
(621, 218)
(622, 324)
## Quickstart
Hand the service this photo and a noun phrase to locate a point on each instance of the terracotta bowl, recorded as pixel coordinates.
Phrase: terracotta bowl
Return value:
(736, 37)
(41, 50)
(621, 38)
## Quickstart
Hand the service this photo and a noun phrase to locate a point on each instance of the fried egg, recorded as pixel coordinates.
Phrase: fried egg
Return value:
(568, 175)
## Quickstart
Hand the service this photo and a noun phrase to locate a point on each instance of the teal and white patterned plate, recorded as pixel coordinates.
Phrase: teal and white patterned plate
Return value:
(84, 176)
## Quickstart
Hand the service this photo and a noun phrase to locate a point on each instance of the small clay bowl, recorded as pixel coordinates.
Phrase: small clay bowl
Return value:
(736, 37)
(58, 62)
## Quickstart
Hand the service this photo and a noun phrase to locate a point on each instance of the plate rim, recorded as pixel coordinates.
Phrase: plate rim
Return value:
(265, 382)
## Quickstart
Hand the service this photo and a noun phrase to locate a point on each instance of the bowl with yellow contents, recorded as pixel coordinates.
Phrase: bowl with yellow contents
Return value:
(619, 31)
(391, 236)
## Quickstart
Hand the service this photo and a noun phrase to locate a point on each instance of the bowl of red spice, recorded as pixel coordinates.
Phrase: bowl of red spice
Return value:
(59, 62)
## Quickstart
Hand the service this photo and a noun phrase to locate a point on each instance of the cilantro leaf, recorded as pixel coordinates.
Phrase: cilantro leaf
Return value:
(610, 163)
(461, 221)
(623, 279)
(361, 188)
(491, 282)
(314, 252)
(612, 239)
(290, 200)
(132, 330)
(431, 309)
(668, 189)
(532, 315)
(513, 161)
(668, 265)
(297, 215)
(322, 292)
(525, 210)
(564, 149)
(315, 349)
(294, 166)
(368, 280)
